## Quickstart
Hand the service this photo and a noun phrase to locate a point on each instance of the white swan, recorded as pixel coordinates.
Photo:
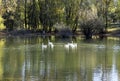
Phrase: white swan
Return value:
(73, 45)
(67, 46)
(50, 44)
(44, 46)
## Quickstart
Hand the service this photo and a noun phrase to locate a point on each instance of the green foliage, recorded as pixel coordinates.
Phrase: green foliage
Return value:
(8, 20)
(71, 12)
(33, 15)
(1, 23)
(90, 23)
(63, 30)
(117, 11)
(49, 13)
(12, 20)
(92, 26)
(18, 21)
(44, 14)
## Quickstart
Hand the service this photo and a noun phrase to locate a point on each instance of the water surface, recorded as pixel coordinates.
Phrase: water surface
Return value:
(26, 59)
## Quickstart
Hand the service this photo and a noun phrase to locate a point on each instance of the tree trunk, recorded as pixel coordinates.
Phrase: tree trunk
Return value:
(25, 14)
(75, 24)
(106, 17)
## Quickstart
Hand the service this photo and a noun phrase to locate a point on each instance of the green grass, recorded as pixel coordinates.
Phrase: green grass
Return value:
(113, 29)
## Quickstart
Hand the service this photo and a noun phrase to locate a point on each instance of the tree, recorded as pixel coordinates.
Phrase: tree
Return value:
(25, 14)
(18, 21)
(33, 16)
(12, 14)
(90, 27)
(1, 19)
(114, 11)
(117, 11)
(103, 10)
(18, 15)
(90, 23)
(48, 13)
(71, 13)
(9, 20)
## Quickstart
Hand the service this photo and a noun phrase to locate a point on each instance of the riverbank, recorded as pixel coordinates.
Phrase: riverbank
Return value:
(113, 32)
(36, 33)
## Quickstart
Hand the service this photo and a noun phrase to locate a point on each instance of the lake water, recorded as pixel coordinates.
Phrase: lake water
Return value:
(27, 59)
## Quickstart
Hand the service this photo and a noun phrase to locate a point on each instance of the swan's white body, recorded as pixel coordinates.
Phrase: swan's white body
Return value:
(50, 44)
(71, 45)
(44, 46)
(67, 46)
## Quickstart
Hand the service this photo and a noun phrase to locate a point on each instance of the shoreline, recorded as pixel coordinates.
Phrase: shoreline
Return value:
(30, 34)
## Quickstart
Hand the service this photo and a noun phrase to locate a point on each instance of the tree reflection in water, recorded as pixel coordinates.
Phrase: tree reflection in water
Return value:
(24, 60)
(112, 75)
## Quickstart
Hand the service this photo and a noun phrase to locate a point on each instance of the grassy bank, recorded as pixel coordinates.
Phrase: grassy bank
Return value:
(114, 31)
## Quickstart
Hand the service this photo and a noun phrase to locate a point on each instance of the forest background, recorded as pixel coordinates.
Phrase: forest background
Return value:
(64, 17)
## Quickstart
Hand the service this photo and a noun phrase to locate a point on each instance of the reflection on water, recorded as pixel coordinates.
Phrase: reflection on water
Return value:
(109, 74)
(48, 59)
(114, 72)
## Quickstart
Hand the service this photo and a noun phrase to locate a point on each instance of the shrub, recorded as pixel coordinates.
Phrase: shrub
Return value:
(91, 26)
(63, 30)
